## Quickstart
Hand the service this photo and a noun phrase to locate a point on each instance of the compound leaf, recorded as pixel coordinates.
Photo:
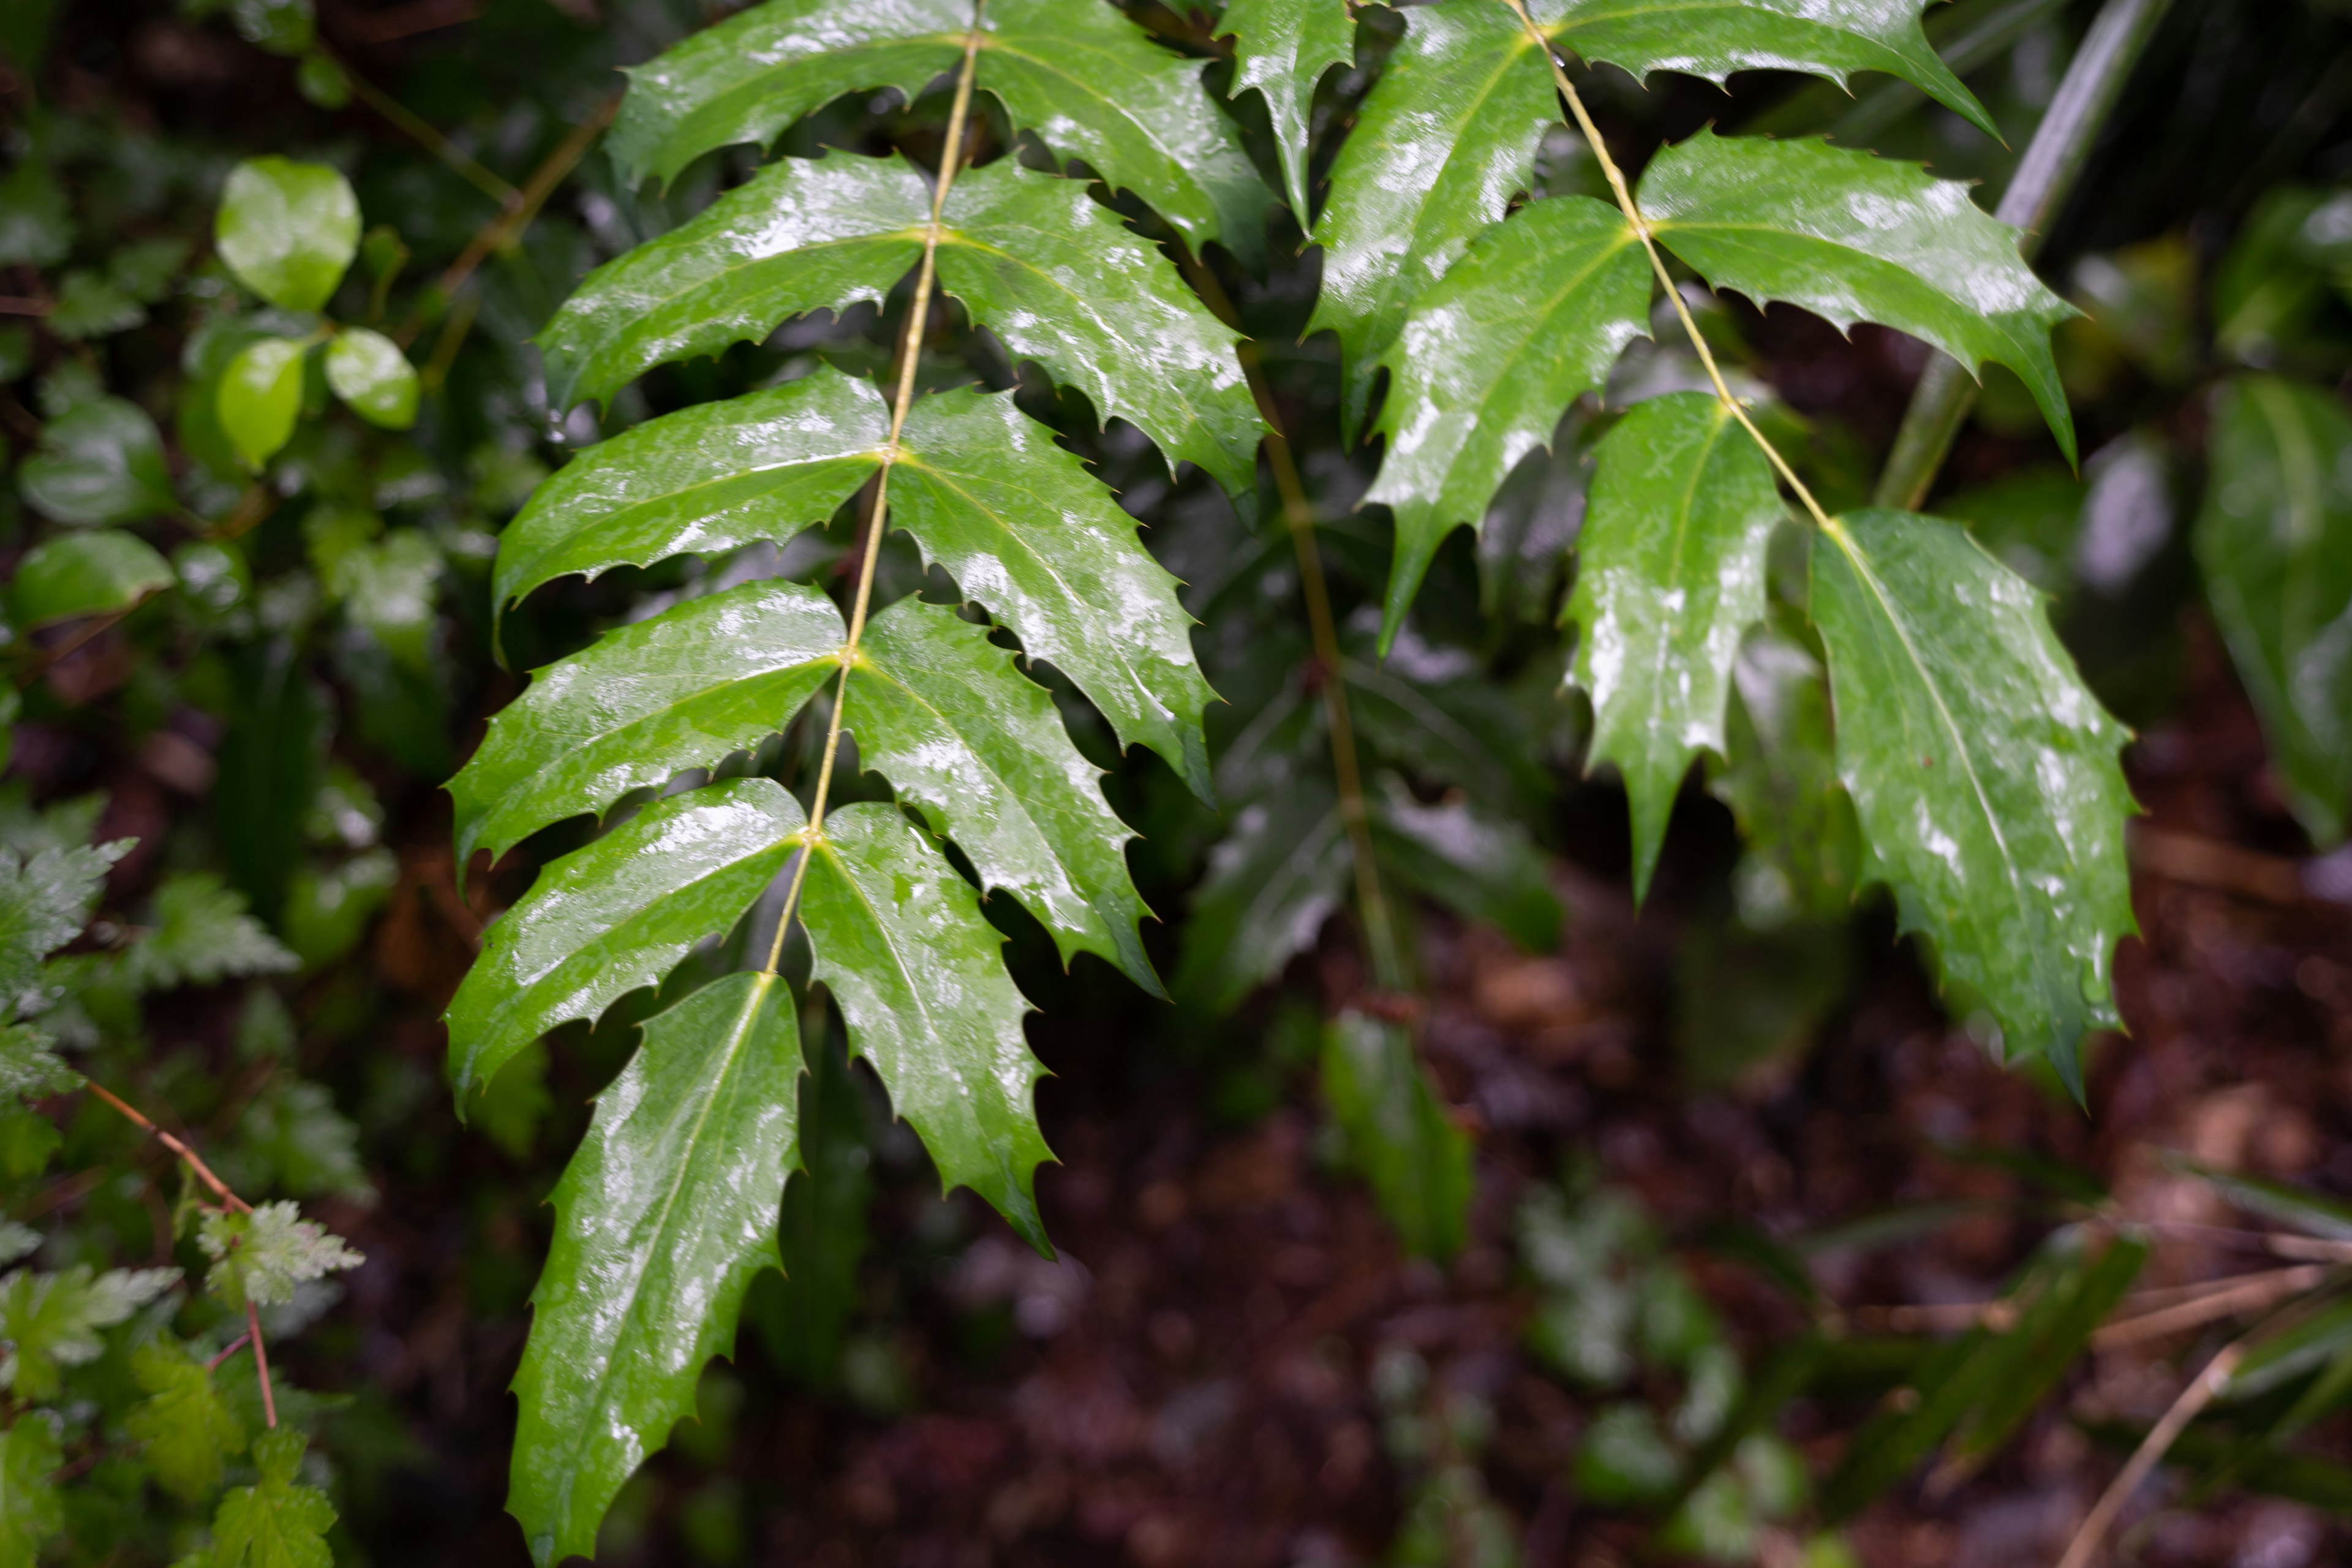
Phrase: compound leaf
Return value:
(200, 934)
(1282, 49)
(1445, 139)
(1712, 39)
(261, 1255)
(898, 939)
(100, 461)
(188, 1430)
(709, 677)
(703, 480)
(278, 1523)
(2274, 539)
(1528, 320)
(45, 901)
(1853, 237)
(616, 914)
(50, 1321)
(1983, 772)
(1670, 573)
(663, 1217)
(939, 711)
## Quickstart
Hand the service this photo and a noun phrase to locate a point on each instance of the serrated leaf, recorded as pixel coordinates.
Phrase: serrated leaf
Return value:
(278, 1523)
(1089, 82)
(1282, 49)
(74, 574)
(201, 934)
(683, 689)
(260, 397)
(188, 1431)
(703, 480)
(1271, 884)
(1025, 531)
(616, 914)
(663, 1217)
(1483, 868)
(371, 374)
(1528, 320)
(2274, 541)
(1445, 139)
(288, 230)
(1712, 39)
(50, 1321)
(1854, 238)
(1779, 777)
(99, 463)
(825, 1234)
(1400, 1137)
(291, 1139)
(31, 1070)
(978, 747)
(45, 901)
(31, 1512)
(898, 939)
(1984, 773)
(1670, 573)
(261, 1256)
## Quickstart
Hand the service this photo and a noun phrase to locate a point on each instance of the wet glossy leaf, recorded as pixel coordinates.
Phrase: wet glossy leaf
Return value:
(898, 939)
(77, 574)
(1528, 320)
(1400, 1137)
(1715, 37)
(1983, 772)
(617, 914)
(1482, 866)
(368, 371)
(100, 462)
(1281, 50)
(288, 230)
(825, 1234)
(45, 901)
(2274, 541)
(663, 1217)
(1802, 851)
(1853, 237)
(1444, 140)
(1670, 575)
(1271, 884)
(260, 397)
(278, 1522)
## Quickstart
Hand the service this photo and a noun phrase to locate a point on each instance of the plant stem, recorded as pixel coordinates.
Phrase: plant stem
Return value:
(500, 231)
(2153, 1447)
(261, 1363)
(2053, 162)
(423, 132)
(910, 345)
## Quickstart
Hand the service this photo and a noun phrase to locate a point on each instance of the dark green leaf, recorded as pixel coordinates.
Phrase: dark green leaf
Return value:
(825, 1234)
(288, 230)
(45, 901)
(368, 371)
(77, 574)
(1528, 320)
(1983, 770)
(101, 462)
(270, 767)
(30, 1511)
(89, 306)
(1853, 237)
(2274, 539)
(1482, 867)
(2048, 1341)
(37, 227)
(1400, 1137)
(1271, 885)
(663, 1216)
(1454, 729)
(1669, 576)
(1803, 852)
(1282, 49)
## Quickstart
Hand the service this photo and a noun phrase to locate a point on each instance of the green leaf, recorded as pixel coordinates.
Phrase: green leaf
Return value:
(31, 1512)
(683, 689)
(45, 901)
(89, 306)
(1984, 773)
(1400, 1137)
(261, 1256)
(825, 1234)
(1271, 884)
(77, 574)
(1803, 850)
(1454, 729)
(1482, 867)
(1528, 320)
(260, 397)
(616, 914)
(30, 1069)
(291, 1139)
(101, 462)
(388, 587)
(278, 1523)
(37, 225)
(898, 939)
(281, 26)
(1445, 139)
(1670, 575)
(1282, 49)
(50, 1321)
(288, 230)
(201, 934)
(368, 371)
(705, 480)
(2274, 541)
(1086, 79)
(663, 1217)
(188, 1430)
(1025, 531)
(1712, 39)
(2048, 1340)
(1853, 237)
(942, 713)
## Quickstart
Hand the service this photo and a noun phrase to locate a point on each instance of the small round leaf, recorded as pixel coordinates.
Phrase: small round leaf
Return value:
(368, 371)
(78, 574)
(100, 462)
(260, 397)
(288, 230)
